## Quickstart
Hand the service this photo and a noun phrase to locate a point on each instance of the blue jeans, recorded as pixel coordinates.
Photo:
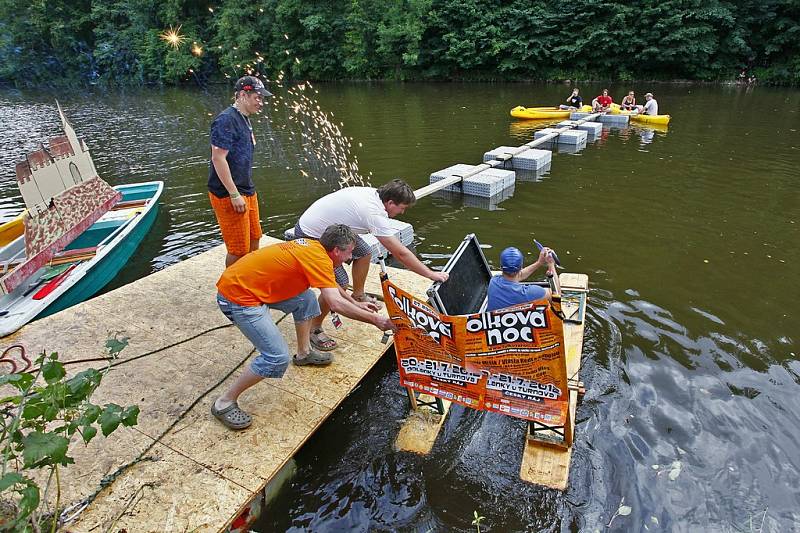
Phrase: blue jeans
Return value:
(257, 325)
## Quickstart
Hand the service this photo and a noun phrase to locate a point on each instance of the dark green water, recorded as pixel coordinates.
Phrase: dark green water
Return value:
(689, 237)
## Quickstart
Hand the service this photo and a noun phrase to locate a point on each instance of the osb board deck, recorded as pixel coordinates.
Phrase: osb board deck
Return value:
(547, 465)
(198, 475)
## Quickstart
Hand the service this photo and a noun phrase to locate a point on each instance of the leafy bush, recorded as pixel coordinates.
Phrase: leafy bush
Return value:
(36, 426)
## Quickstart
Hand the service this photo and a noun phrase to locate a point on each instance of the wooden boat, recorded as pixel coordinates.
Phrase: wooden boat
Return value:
(540, 113)
(78, 232)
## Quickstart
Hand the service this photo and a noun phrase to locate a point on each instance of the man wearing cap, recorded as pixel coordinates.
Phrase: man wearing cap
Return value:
(230, 178)
(506, 289)
(650, 107)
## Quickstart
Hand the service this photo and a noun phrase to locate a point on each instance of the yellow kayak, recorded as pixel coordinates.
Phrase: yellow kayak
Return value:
(638, 117)
(539, 113)
(651, 119)
(11, 230)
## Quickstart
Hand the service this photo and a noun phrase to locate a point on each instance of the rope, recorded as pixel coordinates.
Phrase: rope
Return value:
(77, 508)
(140, 356)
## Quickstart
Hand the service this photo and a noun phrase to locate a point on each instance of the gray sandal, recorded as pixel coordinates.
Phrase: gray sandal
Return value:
(313, 357)
(232, 416)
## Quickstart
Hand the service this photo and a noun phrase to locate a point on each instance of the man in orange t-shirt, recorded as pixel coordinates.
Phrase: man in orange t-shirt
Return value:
(279, 277)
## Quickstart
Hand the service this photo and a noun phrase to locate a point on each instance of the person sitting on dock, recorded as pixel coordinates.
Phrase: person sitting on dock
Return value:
(650, 106)
(602, 103)
(364, 210)
(628, 102)
(575, 102)
(278, 277)
(507, 289)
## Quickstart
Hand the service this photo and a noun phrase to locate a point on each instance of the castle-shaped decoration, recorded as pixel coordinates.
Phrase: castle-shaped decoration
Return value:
(63, 195)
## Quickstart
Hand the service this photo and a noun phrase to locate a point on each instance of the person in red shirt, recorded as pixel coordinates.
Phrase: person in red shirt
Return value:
(602, 103)
(279, 277)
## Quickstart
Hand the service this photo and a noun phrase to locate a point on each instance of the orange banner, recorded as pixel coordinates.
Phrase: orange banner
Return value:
(510, 361)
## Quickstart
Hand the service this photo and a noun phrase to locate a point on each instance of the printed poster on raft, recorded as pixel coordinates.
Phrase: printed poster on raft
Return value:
(510, 361)
(428, 356)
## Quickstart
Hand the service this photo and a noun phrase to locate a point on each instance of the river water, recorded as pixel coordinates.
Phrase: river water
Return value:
(689, 236)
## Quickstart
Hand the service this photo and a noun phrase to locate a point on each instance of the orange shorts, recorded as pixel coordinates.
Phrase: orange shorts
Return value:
(238, 229)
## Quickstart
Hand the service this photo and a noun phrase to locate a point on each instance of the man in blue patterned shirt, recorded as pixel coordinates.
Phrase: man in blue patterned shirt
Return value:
(230, 179)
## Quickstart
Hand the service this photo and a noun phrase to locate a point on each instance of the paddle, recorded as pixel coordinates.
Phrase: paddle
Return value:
(53, 283)
(552, 253)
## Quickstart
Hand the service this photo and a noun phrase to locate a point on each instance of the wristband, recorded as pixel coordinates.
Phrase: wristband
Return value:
(235, 195)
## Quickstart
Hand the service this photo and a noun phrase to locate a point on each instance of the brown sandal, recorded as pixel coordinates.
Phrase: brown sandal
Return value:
(321, 341)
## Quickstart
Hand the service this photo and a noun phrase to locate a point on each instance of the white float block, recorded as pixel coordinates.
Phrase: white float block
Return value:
(455, 170)
(565, 137)
(592, 128)
(376, 248)
(403, 231)
(577, 115)
(613, 120)
(565, 148)
(490, 203)
(530, 159)
(485, 184)
(533, 175)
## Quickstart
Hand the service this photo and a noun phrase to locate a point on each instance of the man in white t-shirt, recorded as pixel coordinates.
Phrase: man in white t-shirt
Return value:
(650, 107)
(365, 210)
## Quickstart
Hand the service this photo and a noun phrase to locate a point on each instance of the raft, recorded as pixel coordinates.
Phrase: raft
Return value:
(539, 113)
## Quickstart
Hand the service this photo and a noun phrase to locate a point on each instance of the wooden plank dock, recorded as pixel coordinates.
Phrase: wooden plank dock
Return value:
(179, 469)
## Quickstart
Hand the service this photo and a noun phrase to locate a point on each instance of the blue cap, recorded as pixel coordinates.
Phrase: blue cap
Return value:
(511, 260)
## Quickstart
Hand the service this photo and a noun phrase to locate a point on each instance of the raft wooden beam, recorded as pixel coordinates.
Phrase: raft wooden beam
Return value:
(420, 429)
(543, 463)
(443, 184)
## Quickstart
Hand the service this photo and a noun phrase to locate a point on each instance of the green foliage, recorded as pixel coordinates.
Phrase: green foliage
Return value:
(119, 41)
(38, 422)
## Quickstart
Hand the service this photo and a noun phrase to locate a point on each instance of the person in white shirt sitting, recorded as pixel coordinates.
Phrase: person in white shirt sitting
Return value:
(650, 107)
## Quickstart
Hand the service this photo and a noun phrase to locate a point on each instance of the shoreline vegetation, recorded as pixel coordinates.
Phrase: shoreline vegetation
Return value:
(175, 42)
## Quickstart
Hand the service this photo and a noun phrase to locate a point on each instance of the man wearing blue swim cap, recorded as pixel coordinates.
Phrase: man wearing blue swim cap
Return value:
(506, 289)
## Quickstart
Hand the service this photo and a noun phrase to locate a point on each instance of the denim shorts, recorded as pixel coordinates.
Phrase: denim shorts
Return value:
(256, 323)
(360, 250)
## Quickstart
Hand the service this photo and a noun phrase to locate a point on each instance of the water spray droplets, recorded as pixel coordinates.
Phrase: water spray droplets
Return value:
(324, 152)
